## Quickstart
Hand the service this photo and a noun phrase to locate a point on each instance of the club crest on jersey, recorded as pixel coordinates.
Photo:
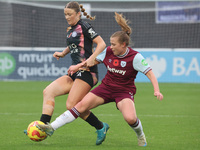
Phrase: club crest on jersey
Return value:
(123, 63)
(74, 34)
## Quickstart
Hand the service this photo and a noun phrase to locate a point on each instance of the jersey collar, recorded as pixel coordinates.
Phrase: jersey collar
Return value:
(127, 51)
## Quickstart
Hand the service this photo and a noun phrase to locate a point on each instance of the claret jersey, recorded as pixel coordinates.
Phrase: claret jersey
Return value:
(122, 70)
(80, 41)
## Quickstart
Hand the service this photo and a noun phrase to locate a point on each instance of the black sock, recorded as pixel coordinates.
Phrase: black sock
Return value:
(94, 121)
(45, 118)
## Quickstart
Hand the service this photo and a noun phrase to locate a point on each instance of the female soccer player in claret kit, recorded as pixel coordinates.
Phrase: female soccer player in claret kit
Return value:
(80, 39)
(123, 64)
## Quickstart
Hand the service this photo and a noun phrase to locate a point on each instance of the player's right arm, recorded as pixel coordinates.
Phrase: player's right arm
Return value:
(62, 54)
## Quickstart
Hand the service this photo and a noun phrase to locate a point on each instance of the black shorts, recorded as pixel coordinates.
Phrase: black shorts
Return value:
(85, 76)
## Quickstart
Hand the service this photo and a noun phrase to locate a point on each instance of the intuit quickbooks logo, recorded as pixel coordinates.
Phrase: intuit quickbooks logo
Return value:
(7, 64)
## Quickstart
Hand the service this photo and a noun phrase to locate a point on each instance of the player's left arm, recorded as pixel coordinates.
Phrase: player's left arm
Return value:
(140, 64)
(154, 82)
(100, 47)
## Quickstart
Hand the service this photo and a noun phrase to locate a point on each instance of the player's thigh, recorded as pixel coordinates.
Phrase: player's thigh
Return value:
(79, 89)
(89, 102)
(127, 108)
(59, 87)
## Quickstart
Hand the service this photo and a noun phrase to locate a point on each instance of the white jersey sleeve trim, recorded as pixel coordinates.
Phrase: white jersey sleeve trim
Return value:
(140, 64)
(101, 56)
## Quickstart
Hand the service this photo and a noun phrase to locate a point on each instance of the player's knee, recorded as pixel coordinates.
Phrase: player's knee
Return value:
(48, 94)
(45, 92)
(130, 120)
(79, 106)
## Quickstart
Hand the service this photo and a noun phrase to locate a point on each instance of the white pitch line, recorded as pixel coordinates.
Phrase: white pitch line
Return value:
(111, 115)
(161, 116)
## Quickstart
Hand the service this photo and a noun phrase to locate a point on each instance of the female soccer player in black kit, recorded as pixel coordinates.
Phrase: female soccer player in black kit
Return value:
(80, 39)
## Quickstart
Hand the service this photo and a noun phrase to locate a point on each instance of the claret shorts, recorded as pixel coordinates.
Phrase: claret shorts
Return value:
(111, 94)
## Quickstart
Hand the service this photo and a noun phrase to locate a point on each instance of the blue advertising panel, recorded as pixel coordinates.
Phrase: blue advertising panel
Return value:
(32, 65)
(168, 66)
(178, 12)
(173, 66)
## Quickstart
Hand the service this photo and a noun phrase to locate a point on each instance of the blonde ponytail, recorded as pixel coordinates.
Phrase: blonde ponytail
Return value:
(124, 35)
(123, 23)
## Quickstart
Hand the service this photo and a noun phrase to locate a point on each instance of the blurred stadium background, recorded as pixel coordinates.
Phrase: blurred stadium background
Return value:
(167, 33)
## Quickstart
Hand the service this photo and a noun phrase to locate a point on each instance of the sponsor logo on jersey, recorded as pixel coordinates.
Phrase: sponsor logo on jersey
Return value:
(122, 72)
(123, 63)
(92, 32)
(73, 48)
(144, 63)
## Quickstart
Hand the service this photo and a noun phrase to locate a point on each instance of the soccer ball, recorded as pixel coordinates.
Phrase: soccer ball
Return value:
(34, 133)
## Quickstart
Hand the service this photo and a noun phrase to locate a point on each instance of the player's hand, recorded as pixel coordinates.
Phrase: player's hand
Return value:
(74, 68)
(90, 62)
(158, 95)
(58, 55)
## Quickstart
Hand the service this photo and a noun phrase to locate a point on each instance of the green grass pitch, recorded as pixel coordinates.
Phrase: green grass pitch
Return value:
(171, 124)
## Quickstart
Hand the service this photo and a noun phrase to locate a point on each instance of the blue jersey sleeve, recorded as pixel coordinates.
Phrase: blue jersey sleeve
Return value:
(140, 64)
(101, 56)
